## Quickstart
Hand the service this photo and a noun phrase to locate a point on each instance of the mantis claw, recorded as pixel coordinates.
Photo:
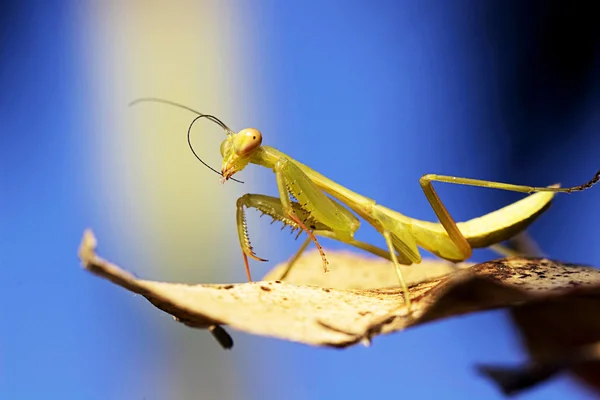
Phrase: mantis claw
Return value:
(255, 257)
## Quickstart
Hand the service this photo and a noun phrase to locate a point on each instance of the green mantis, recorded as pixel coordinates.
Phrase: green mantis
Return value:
(316, 205)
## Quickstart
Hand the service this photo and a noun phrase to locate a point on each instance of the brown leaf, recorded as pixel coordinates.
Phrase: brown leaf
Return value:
(515, 379)
(324, 315)
(560, 327)
(351, 270)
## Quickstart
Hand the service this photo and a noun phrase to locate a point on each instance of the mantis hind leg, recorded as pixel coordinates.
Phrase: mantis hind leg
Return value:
(448, 222)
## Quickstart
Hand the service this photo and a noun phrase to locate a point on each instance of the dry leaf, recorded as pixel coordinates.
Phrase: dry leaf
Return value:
(562, 327)
(351, 270)
(514, 380)
(340, 317)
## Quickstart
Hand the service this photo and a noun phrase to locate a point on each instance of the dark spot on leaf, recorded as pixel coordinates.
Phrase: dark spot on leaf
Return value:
(266, 288)
(227, 287)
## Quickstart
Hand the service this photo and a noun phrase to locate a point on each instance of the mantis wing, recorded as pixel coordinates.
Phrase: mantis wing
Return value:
(291, 179)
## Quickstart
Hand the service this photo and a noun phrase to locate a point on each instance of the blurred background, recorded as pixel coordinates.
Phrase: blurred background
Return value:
(371, 94)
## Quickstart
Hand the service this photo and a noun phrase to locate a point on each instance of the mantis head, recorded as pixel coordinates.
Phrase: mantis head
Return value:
(237, 150)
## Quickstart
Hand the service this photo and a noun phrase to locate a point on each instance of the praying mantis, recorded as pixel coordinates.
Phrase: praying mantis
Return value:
(311, 203)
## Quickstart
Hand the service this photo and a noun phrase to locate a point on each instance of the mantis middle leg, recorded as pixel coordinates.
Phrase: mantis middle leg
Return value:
(355, 243)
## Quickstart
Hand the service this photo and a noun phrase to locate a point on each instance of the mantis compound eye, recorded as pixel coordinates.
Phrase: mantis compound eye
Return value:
(246, 141)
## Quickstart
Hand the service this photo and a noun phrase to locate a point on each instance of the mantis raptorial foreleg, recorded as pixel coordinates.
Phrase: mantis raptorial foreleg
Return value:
(273, 207)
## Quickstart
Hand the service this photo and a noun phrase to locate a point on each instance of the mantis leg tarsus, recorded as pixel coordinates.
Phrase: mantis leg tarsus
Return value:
(585, 186)
(247, 265)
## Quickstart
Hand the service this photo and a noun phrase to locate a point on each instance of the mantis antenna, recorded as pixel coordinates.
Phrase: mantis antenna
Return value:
(211, 118)
(192, 147)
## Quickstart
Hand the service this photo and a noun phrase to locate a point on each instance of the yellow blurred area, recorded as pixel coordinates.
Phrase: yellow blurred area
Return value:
(156, 192)
(168, 212)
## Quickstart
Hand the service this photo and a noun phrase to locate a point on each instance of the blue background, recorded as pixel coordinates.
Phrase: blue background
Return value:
(371, 94)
